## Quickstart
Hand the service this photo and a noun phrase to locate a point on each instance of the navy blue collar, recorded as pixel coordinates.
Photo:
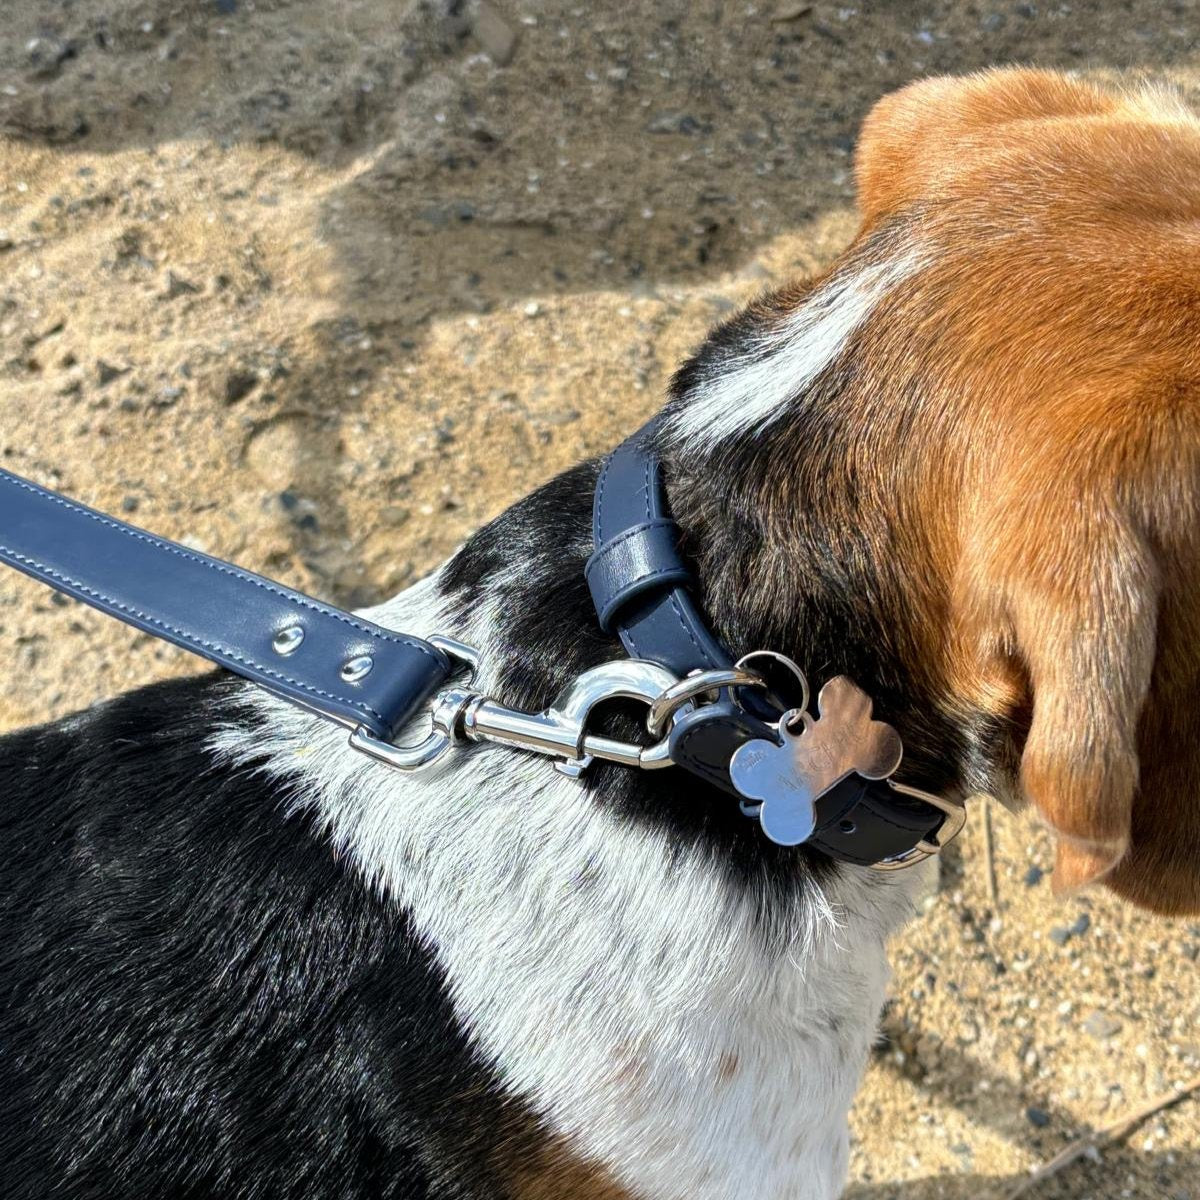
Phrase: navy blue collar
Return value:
(642, 590)
(372, 680)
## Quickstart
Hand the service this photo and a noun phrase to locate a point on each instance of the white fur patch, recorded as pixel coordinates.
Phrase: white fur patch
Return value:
(752, 390)
(623, 990)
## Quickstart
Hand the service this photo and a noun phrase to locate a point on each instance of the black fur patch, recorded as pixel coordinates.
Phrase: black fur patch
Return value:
(200, 999)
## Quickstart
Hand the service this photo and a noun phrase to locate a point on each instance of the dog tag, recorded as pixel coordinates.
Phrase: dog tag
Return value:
(789, 777)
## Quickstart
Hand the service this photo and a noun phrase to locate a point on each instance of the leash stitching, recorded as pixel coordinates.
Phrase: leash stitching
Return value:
(299, 601)
(183, 633)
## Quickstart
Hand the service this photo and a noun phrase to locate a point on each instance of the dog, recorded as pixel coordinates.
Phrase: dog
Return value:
(962, 468)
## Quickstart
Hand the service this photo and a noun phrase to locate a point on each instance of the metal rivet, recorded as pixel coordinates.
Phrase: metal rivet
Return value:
(287, 641)
(357, 668)
(847, 827)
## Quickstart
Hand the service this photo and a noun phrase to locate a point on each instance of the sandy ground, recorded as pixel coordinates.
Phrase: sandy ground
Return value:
(323, 286)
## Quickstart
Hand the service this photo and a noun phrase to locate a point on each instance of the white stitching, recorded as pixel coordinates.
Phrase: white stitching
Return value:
(215, 647)
(222, 568)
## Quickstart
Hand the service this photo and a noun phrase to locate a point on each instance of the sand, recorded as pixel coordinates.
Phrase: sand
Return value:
(321, 287)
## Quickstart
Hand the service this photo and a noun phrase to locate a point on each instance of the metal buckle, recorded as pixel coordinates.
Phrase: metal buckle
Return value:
(462, 713)
(951, 827)
(560, 731)
(412, 758)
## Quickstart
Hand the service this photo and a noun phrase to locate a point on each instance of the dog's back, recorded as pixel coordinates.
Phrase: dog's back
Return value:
(201, 997)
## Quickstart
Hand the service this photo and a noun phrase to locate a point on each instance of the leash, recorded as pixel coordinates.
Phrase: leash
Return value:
(824, 780)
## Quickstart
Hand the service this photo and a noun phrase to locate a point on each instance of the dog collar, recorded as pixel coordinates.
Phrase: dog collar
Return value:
(824, 780)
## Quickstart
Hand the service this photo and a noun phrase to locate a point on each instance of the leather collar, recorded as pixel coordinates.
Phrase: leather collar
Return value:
(642, 589)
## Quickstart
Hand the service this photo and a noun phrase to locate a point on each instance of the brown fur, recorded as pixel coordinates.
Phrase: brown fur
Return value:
(549, 1170)
(1055, 486)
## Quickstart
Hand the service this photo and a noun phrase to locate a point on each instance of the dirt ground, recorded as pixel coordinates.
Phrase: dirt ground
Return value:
(323, 286)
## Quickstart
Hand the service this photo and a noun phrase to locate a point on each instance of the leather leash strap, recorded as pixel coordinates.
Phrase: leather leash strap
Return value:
(336, 664)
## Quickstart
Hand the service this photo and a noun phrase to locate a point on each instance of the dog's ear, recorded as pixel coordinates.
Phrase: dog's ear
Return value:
(1088, 647)
(1077, 598)
(912, 143)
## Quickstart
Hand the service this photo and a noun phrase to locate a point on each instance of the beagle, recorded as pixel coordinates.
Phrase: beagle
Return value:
(240, 960)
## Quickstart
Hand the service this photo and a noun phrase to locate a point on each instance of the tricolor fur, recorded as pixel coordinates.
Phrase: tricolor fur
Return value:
(241, 960)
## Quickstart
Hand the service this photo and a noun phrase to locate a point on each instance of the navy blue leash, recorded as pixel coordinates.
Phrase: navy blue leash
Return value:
(336, 664)
(704, 706)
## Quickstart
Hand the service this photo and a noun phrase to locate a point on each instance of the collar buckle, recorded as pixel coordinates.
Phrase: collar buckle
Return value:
(932, 845)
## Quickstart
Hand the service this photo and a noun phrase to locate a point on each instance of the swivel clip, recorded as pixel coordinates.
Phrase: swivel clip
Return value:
(464, 714)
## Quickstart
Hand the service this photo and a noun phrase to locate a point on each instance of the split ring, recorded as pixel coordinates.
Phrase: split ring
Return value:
(787, 664)
(664, 706)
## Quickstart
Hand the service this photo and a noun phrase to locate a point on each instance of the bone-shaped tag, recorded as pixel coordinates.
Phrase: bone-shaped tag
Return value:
(789, 778)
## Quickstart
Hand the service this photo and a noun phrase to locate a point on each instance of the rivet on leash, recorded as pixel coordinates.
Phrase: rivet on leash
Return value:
(358, 668)
(287, 641)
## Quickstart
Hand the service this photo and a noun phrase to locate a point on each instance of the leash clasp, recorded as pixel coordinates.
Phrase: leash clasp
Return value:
(431, 748)
(464, 714)
(560, 731)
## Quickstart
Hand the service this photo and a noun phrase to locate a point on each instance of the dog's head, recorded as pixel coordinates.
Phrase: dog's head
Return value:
(1049, 324)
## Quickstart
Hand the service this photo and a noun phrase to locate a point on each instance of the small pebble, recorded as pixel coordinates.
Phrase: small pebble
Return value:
(673, 122)
(1037, 1117)
(497, 37)
(789, 10)
(238, 385)
(1101, 1026)
(106, 372)
(175, 285)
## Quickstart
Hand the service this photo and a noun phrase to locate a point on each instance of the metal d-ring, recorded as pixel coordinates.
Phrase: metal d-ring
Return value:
(433, 746)
(664, 707)
(789, 665)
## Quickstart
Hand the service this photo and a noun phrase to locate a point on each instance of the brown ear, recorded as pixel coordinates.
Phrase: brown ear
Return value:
(1086, 630)
(912, 142)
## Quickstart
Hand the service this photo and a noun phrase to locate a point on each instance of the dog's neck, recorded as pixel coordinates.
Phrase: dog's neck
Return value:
(796, 448)
(791, 557)
(605, 938)
(778, 570)
(601, 936)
